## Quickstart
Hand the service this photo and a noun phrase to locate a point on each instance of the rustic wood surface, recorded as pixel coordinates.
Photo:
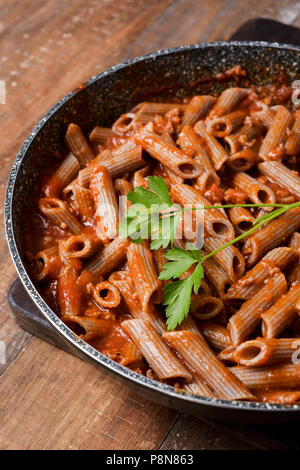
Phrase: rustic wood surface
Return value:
(49, 399)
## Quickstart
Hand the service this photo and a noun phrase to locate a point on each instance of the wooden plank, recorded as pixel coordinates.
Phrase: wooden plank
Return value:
(190, 433)
(56, 401)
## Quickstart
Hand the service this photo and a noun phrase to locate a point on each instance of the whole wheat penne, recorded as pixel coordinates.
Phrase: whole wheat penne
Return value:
(83, 202)
(78, 145)
(227, 101)
(69, 297)
(278, 317)
(153, 108)
(156, 352)
(216, 224)
(88, 327)
(65, 173)
(294, 241)
(197, 108)
(272, 235)
(260, 351)
(241, 219)
(265, 114)
(242, 160)
(285, 397)
(168, 155)
(248, 317)
(257, 192)
(124, 282)
(84, 174)
(226, 124)
(122, 188)
(280, 174)
(118, 162)
(253, 280)
(197, 354)
(101, 134)
(230, 259)
(269, 377)
(56, 210)
(78, 246)
(198, 387)
(130, 354)
(106, 295)
(190, 143)
(139, 177)
(292, 145)
(167, 137)
(217, 276)
(47, 263)
(205, 306)
(276, 134)
(226, 355)
(104, 195)
(217, 336)
(109, 258)
(246, 136)
(124, 123)
(141, 266)
(217, 153)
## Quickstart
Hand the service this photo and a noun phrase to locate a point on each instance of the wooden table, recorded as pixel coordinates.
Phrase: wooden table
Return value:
(49, 399)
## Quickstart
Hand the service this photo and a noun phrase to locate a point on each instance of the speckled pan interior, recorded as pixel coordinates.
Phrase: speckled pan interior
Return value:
(172, 73)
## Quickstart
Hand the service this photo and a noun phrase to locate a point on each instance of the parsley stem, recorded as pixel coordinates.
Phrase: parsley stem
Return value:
(285, 208)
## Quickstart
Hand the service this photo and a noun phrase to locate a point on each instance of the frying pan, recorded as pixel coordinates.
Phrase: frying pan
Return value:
(163, 75)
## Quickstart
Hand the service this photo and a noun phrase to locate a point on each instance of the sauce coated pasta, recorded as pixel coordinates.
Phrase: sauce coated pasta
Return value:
(240, 337)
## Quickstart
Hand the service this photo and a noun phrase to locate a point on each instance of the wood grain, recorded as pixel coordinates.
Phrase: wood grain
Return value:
(47, 49)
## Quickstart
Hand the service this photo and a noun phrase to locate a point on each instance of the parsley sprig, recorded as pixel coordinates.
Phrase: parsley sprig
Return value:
(153, 216)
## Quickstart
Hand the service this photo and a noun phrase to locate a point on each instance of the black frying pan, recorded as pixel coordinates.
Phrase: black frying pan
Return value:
(163, 75)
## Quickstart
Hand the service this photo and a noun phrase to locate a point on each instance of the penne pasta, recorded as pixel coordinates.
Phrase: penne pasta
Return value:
(109, 258)
(272, 235)
(247, 318)
(78, 145)
(292, 145)
(217, 153)
(191, 144)
(57, 212)
(161, 359)
(258, 352)
(168, 155)
(216, 224)
(196, 109)
(280, 174)
(245, 288)
(276, 134)
(241, 219)
(226, 124)
(65, 173)
(141, 266)
(227, 101)
(101, 134)
(257, 192)
(199, 357)
(269, 377)
(106, 295)
(277, 318)
(107, 210)
(69, 297)
(216, 335)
